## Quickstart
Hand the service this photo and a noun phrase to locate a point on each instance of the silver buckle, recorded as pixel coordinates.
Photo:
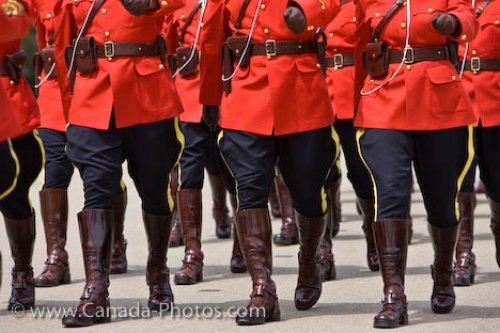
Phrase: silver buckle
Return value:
(109, 49)
(338, 60)
(271, 48)
(410, 55)
(475, 64)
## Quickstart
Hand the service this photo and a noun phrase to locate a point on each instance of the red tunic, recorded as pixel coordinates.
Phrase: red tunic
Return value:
(341, 39)
(49, 93)
(22, 104)
(426, 95)
(484, 86)
(137, 89)
(281, 95)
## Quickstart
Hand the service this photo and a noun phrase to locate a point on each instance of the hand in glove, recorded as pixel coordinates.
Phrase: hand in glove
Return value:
(295, 19)
(211, 116)
(13, 8)
(446, 24)
(140, 7)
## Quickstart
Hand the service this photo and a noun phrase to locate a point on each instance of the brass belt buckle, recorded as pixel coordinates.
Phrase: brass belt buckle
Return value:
(271, 50)
(475, 64)
(109, 49)
(338, 60)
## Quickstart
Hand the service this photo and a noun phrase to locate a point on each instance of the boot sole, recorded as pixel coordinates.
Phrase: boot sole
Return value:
(188, 281)
(285, 241)
(249, 321)
(19, 306)
(387, 323)
(86, 324)
(238, 270)
(310, 304)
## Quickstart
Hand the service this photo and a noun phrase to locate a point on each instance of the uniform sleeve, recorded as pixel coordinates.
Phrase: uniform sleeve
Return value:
(39, 30)
(318, 12)
(65, 31)
(213, 36)
(15, 27)
(464, 12)
(363, 33)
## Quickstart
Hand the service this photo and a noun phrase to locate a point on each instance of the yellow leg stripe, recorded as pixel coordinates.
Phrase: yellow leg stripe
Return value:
(468, 163)
(38, 139)
(182, 141)
(359, 134)
(219, 138)
(336, 163)
(123, 186)
(18, 169)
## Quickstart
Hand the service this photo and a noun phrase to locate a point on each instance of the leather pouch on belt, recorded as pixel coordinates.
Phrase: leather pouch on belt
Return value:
(48, 58)
(14, 65)
(237, 44)
(189, 65)
(86, 55)
(376, 60)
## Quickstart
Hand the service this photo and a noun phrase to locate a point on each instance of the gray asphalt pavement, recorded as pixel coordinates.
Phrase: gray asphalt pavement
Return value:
(347, 304)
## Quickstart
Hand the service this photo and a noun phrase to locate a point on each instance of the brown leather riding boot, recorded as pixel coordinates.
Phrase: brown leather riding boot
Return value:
(119, 258)
(274, 202)
(21, 234)
(391, 240)
(237, 263)
(96, 237)
(158, 229)
(367, 207)
(220, 211)
(410, 220)
(288, 234)
(465, 265)
(190, 210)
(308, 290)
(444, 241)
(54, 208)
(334, 214)
(176, 238)
(495, 225)
(254, 232)
(325, 259)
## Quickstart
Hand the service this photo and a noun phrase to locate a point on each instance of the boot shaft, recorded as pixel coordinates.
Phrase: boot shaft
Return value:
(54, 211)
(21, 234)
(285, 199)
(466, 224)
(119, 208)
(311, 231)
(189, 204)
(158, 228)
(218, 193)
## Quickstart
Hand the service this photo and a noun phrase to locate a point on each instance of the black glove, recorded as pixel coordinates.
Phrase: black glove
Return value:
(446, 24)
(140, 7)
(295, 19)
(210, 117)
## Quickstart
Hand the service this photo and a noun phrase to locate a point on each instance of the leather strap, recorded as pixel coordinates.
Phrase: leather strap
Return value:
(390, 13)
(339, 60)
(241, 13)
(188, 22)
(273, 47)
(476, 64)
(110, 50)
(420, 54)
(480, 9)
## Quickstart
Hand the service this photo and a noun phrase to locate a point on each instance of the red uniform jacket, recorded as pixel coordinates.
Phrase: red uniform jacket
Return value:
(484, 86)
(49, 93)
(137, 89)
(281, 95)
(188, 87)
(341, 36)
(425, 95)
(22, 103)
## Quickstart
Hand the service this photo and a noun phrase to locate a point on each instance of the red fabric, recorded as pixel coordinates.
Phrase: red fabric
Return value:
(137, 89)
(49, 93)
(19, 108)
(282, 95)
(484, 87)
(425, 95)
(341, 37)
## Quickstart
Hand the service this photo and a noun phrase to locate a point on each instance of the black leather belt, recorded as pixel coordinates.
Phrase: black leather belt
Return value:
(339, 60)
(111, 49)
(476, 64)
(271, 47)
(419, 54)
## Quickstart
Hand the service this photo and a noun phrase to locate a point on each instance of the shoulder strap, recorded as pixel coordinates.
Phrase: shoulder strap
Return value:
(480, 9)
(243, 9)
(390, 13)
(90, 16)
(188, 22)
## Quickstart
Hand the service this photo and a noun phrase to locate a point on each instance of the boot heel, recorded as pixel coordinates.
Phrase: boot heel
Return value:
(276, 315)
(332, 274)
(67, 277)
(404, 317)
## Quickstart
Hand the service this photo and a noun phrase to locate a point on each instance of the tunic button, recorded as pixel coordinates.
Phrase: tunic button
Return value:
(453, 77)
(161, 66)
(331, 34)
(403, 25)
(104, 11)
(11, 82)
(430, 10)
(106, 33)
(497, 22)
(263, 6)
(377, 14)
(318, 65)
(266, 30)
(474, 52)
(408, 67)
(463, 37)
(164, 3)
(48, 15)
